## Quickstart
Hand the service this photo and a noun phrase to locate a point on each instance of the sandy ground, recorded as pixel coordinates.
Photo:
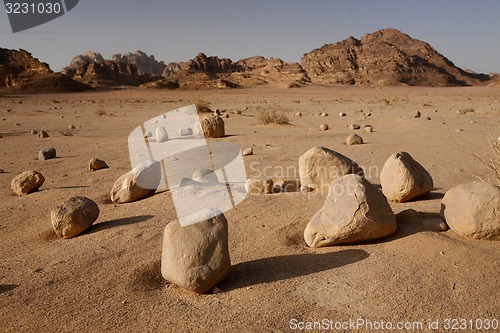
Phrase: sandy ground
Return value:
(108, 279)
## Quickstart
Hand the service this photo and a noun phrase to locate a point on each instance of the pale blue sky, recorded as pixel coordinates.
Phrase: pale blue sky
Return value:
(467, 32)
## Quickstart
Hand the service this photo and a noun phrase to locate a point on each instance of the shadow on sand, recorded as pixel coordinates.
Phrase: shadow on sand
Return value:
(118, 222)
(285, 267)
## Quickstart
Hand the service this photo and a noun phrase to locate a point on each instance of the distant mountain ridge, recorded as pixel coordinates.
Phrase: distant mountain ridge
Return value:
(386, 57)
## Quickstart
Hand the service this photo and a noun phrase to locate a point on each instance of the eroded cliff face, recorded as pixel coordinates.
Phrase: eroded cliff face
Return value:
(21, 72)
(385, 57)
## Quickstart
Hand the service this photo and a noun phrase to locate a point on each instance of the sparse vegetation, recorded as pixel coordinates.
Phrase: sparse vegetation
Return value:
(465, 111)
(493, 163)
(386, 101)
(67, 131)
(272, 117)
(203, 107)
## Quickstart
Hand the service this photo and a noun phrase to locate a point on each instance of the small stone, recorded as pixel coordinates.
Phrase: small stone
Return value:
(258, 186)
(324, 114)
(217, 112)
(323, 127)
(288, 185)
(369, 114)
(1, 171)
(298, 114)
(248, 151)
(368, 129)
(43, 135)
(46, 154)
(97, 164)
(354, 127)
(410, 216)
(71, 127)
(342, 114)
(138, 183)
(74, 216)
(239, 111)
(227, 115)
(161, 134)
(34, 132)
(435, 224)
(428, 118)
(27, 182)
(460, 129)
(354, 139)
(196, 257)
(473, 121)
(205, 176)
(186, 131)
(416, 114)
(62, 117)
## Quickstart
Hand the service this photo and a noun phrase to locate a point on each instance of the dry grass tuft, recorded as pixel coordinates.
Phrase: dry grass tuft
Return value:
(272, 117)
(203, 107)
(493, 163)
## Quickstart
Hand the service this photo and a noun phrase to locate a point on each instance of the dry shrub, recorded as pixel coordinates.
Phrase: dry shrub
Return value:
(493, 163)
(67, 131)
(273, 117)
(203, 107)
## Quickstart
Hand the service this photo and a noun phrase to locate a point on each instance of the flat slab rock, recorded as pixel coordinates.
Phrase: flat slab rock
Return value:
(196, 257)
(354, 211)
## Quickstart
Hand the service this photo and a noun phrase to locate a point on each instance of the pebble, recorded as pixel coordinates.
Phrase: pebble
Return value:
(248, 151)
(342, 114)
(354, 127)
(323, 127)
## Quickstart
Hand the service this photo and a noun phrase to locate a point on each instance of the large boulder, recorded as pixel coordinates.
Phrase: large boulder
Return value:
(27, 182)
(138, 183)
(472, 210)
(213, 126)
(354, 211)
(403, 179)
(74, 216)
(320, 166)
(196, 257)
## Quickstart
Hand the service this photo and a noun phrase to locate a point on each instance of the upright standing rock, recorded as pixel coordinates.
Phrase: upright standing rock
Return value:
(320, 166)
(213, 126)
(161, 134)
(74, 216)
(472, 210)
(402, 178)
(138, 183)
(27, 182)
(47, 154)
(196, 257)
(354, 210)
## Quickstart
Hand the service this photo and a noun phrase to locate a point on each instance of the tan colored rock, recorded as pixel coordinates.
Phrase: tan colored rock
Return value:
(27, 182)
(46, 154)
(354, 139)
(403, 179)
(472, 210)
(138, 183)
(248, 151)
(368, 129)
(410, 216)
(320, 166)
(196, 257)
(259, 186)
(213, 126)
(97, 164)
(43, 135)
(161, 134)
(354, 211)
(323, 127)
(74, 216)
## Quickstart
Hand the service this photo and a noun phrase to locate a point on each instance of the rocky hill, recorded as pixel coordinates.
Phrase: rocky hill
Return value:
(385, 57)
(20, 72)
(129, 69)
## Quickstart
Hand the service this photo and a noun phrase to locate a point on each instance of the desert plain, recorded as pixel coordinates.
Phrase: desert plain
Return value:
(108, 278)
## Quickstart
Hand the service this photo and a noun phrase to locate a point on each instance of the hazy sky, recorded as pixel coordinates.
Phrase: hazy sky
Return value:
(467, 32)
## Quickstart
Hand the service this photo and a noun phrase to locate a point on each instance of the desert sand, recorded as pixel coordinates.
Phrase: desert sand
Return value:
(108, 278)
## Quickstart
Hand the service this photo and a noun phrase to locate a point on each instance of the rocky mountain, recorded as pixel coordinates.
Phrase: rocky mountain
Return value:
(129, 69)
(19, 71)
(385, 57)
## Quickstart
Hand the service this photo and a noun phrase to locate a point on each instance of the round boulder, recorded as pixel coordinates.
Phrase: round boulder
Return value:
(472, 210)
(74, 216)
(354, 139)
(196, 257)
(213, 126)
